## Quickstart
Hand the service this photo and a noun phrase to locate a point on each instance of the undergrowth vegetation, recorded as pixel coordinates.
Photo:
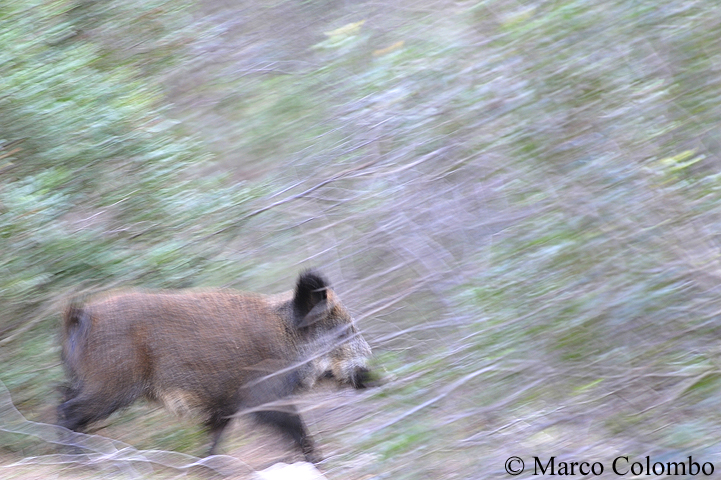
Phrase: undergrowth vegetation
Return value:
(520, 201)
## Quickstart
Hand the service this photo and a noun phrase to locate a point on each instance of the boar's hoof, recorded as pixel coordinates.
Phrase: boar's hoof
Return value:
(312, 454)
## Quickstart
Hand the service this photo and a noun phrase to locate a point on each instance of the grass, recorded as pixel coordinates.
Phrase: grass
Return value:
(518, 201)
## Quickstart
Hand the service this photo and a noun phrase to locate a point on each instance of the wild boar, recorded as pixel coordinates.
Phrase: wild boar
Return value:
(212, 352)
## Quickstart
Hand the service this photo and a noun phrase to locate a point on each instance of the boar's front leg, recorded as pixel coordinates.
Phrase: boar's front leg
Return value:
(289, 422)
(216, 428)
(220, 416)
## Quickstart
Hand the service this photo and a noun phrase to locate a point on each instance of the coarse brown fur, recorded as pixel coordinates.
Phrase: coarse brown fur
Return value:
(211, 352)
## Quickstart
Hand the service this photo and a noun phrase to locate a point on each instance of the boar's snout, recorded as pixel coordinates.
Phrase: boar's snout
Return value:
(351, 361)
(347, 363)
(360, 378)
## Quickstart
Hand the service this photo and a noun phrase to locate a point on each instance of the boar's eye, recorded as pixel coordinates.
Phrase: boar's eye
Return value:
(343, 332)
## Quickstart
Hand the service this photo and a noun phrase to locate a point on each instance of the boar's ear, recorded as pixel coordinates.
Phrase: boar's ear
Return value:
(311, 293)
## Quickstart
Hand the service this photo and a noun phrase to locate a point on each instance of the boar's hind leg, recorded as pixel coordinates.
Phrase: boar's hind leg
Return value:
(85, 408)
(290, 423)
(216, 424)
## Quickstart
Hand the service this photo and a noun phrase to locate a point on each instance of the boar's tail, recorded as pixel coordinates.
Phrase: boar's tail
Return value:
(76, 325)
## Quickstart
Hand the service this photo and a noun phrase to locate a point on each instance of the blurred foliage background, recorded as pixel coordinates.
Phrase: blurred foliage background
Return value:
(519, 200)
